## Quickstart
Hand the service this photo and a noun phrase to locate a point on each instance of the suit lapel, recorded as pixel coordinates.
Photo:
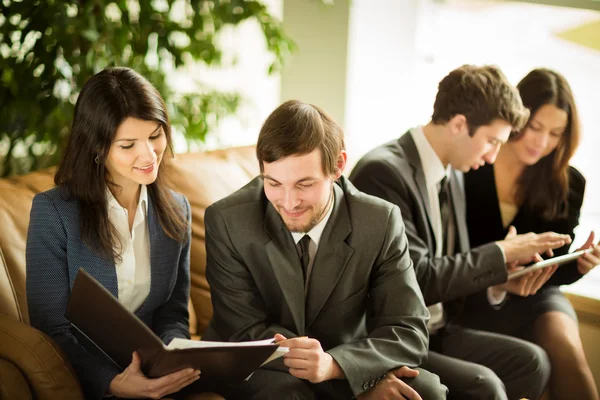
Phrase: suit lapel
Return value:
(157, 277)
(418, 177)
(100, 268)
(332, 256)
(285, 262)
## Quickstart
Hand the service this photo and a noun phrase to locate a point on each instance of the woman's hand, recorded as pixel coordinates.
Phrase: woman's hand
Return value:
(133, 384)
(530, 283)
(589, 261)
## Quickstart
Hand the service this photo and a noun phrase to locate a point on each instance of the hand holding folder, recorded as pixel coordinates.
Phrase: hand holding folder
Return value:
(117, 332)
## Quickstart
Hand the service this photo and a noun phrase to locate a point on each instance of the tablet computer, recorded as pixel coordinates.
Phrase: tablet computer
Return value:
(549, 262)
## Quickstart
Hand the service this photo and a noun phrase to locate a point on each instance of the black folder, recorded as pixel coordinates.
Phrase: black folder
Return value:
(117, 332)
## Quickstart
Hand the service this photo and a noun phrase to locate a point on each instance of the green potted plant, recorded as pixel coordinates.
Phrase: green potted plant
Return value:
(49, 48)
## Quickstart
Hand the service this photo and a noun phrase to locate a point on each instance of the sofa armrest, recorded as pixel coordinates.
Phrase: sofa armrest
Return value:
(40, 360)
(12, 382)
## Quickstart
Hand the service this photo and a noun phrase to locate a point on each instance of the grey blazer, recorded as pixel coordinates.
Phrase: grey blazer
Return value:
(55, 252)
(363, 302)
(394, 172)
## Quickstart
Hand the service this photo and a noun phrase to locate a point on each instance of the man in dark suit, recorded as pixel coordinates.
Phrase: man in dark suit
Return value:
(474, 112)
(300, 255)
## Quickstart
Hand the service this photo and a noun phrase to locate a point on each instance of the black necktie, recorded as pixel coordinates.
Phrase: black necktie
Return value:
(305, 256)
(444, 197)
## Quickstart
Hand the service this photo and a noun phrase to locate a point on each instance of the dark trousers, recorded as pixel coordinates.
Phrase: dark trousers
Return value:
(483, 365)
(275, 385)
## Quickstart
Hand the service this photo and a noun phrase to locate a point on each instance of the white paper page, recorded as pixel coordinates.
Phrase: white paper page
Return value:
(179, 343)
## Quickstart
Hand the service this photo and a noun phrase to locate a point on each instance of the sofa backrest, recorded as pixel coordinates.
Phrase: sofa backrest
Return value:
(16, 196)
(202, 177)
(205, 178)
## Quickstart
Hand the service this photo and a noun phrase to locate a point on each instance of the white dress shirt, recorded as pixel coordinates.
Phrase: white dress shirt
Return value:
(133, 271)
(434, 173)
(315, 237)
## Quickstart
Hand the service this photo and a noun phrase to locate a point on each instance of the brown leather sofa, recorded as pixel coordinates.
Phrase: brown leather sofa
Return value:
(31, 365)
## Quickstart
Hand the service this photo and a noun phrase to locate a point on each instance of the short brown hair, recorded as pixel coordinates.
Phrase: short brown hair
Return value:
(297, 128)
(482, 94)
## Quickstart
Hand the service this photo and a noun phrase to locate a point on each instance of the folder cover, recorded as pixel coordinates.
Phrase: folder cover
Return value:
(117, 332)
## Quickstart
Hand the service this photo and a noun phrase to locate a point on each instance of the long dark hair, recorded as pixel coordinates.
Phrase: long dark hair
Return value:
(106, 100)
(544, 187)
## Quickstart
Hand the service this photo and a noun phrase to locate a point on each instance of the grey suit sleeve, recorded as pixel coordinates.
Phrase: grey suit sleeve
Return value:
(396, 316)
(238, 311)
(48, 291)
(441, 279)
(171, 320)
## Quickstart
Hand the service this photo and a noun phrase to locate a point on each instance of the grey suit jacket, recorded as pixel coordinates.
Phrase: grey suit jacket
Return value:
(394, 172)
(55, 252)
(363, 302)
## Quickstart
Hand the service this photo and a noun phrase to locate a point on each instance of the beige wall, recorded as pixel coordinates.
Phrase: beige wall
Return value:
(317, 70)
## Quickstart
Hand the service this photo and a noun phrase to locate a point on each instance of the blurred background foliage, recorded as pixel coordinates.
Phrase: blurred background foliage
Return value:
(49, 48)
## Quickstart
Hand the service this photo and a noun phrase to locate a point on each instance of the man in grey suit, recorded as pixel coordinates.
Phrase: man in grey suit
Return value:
(474, 112)
(301, 256)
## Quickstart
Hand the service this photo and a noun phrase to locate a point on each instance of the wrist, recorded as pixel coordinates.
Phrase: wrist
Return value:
(335, 371)
(506, 254)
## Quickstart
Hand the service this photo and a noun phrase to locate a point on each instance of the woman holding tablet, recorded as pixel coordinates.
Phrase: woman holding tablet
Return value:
(532, 188)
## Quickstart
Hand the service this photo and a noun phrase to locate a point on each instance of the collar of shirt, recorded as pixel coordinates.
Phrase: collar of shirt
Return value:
(316, 232)
(141, 210)
(432, 165)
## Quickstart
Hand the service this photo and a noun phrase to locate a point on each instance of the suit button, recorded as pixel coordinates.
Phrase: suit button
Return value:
(365, 385)
(372, 383)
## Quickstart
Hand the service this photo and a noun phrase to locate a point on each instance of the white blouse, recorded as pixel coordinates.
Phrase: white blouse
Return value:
(133, 271)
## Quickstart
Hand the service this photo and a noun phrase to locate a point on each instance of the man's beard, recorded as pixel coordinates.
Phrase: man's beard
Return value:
(297, 228)
(314, 220)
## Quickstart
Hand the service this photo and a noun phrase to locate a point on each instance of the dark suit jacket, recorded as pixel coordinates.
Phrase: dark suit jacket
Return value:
(55, 252)
(363, 302)
(394, 172)
(485, 221)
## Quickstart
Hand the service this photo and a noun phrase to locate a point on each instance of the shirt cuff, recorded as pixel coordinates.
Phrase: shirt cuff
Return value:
(495, 298)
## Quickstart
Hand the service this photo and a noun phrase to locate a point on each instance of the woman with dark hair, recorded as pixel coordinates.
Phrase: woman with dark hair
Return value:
(113, 215)
(532, 188)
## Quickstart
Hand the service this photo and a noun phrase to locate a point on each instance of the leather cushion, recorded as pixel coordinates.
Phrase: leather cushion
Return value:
(12, 382)
(205, 178)
(8, 295)
(40, 360)
(16, 195)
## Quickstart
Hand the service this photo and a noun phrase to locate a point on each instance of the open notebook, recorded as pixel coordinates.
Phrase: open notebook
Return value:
(117, 333)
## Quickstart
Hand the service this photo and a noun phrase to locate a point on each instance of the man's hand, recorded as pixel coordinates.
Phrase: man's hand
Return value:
(307, 360)
(523, 248)
(133, 384)
(392, 387)
(589, 261)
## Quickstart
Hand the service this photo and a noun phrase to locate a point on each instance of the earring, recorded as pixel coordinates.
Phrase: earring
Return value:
(97, 159)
